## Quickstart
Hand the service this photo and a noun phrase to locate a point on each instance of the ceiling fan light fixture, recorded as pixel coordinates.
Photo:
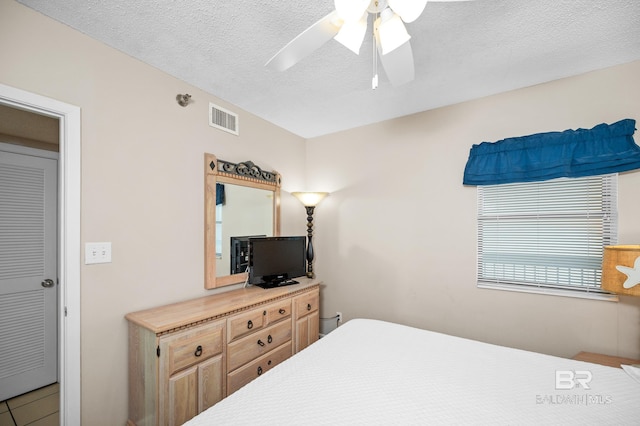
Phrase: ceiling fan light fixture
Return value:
(351, 34)
(351, 10)
(390, 31)
(408, 10)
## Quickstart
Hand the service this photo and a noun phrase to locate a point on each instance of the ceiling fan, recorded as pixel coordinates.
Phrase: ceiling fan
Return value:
(347, 24)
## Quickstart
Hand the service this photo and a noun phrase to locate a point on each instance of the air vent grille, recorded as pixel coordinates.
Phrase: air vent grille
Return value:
(223, 119)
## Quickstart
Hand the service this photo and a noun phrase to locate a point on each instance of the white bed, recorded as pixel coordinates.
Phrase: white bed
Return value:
(373, 372)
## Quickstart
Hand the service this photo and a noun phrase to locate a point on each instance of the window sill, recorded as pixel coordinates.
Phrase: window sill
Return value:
(551, 291)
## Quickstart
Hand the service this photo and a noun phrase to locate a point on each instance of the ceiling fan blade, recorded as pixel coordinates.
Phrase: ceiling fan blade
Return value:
(398, 64)
(305, 43)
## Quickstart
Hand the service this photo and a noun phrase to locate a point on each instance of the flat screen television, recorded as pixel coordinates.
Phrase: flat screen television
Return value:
(275, 261)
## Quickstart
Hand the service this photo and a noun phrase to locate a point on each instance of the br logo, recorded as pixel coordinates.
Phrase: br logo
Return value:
(569, 379)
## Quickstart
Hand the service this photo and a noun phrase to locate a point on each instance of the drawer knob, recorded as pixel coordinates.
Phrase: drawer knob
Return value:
(259, 370)
(260, 342)
(269, 339)
(282, 311)
(249, 324)
(308, 306)
(198, 351)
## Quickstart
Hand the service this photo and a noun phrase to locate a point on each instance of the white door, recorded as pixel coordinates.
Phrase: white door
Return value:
(28, 270)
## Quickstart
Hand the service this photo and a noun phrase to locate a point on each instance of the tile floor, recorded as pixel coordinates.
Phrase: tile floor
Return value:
(37, 408)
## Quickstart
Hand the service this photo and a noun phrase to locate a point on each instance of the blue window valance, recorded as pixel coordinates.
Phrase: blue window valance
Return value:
(220, 196)
(606, 148)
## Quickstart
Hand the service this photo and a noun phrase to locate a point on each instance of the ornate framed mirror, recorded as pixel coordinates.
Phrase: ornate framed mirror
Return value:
(240, 201)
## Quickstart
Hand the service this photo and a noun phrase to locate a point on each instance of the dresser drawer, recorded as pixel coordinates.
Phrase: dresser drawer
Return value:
(191, 346)
(278, 311)
(251, 347)
(307, 303)
(245, 323)
(244, 375)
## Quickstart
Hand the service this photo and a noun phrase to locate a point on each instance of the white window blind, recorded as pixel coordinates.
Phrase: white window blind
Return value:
(546, 235)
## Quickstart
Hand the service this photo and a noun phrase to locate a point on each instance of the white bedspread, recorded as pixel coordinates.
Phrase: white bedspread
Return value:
(370, 372)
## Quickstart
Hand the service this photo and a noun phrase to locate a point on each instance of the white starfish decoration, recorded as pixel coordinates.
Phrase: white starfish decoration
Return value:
(633, 274)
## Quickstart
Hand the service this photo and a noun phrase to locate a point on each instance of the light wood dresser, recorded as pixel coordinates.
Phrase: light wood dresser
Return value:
(185, 357)
(608, 360)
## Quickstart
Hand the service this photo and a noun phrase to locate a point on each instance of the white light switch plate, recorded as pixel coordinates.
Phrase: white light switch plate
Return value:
(97, 253)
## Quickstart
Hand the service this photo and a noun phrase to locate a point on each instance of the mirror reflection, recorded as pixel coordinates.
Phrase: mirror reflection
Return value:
(241, 212)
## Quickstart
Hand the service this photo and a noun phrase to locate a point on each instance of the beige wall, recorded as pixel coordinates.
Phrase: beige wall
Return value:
(142, 182)
(396, 239)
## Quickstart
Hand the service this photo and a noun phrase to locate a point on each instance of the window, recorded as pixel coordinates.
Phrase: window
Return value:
(546, 236)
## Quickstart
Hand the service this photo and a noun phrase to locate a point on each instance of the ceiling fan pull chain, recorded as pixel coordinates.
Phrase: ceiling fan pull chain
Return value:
(374, 80)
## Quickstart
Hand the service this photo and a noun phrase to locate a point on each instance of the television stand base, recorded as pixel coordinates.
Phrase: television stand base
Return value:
(278, 284)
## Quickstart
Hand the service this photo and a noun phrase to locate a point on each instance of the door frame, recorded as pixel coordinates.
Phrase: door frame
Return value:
(69, 247)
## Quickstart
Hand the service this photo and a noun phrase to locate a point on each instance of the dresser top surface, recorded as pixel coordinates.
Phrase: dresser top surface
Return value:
(164, 318)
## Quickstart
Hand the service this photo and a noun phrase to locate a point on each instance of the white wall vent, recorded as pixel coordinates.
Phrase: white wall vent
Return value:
(223, 119)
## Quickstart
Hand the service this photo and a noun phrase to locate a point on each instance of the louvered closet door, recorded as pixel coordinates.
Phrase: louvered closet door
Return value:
(28, 302)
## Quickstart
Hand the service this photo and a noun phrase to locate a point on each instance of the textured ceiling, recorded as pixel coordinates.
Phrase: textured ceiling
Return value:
(462, 51)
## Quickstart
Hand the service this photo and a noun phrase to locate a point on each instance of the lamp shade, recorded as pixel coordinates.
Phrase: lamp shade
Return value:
(621, 269)
(310, 199)
(390, 31)
(352, 34)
